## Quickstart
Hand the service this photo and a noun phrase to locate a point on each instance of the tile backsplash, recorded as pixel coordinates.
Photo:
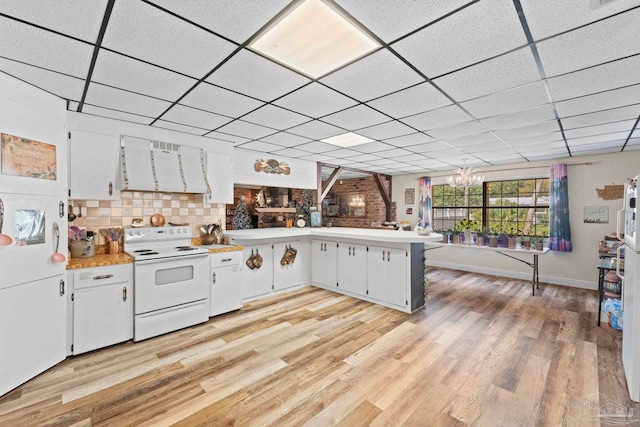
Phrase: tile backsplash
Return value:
(175, 207)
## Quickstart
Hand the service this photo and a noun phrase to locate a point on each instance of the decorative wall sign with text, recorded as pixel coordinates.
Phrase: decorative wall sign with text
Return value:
(409, 196)
(272, 166)
(25, 157)
(596, 215)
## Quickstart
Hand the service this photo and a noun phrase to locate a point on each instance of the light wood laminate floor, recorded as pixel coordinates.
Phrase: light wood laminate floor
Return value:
(484, 352)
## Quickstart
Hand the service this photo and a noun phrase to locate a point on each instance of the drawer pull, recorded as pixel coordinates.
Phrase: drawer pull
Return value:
(103, 276)
(383, 255)
(227, 259)
(124, 293)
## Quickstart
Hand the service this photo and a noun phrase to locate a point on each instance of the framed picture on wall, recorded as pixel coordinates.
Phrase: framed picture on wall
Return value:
(596, 215)
(409, 196)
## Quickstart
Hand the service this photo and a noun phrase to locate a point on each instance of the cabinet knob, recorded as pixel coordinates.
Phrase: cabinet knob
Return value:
(349, 250)
(383, 255)
(388, 256)
(111, 188)
(124, 293)
(213, 277)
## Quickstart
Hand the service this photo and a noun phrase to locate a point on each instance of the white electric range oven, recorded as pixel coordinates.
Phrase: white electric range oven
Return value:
(170, 280)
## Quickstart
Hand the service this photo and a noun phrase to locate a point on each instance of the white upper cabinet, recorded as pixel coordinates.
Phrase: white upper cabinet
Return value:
(220, 177)
(93, 166)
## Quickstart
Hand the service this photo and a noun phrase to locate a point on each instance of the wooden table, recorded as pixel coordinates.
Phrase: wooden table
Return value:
(535, 281)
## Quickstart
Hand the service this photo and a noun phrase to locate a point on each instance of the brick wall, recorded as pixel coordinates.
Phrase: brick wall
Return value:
(374, 205)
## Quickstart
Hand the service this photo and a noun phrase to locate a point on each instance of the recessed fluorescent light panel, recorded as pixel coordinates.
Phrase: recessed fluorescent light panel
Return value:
(314, 39)
(347, 140)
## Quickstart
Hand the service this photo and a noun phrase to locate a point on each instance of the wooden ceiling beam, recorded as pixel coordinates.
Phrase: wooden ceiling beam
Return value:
(386, 196)
(332, 180)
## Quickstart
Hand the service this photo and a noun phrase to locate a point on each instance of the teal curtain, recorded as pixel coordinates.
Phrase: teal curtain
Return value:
(559, 228)
(424, 215)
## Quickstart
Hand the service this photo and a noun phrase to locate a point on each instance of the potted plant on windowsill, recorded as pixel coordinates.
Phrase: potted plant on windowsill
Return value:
(536, 243)
(468, 228)
(480, 238)
(493, 238)
(525, 241)
(512, 237)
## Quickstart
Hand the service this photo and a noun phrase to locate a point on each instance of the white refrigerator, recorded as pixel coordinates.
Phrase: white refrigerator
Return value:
(628, 225)
(33, 171)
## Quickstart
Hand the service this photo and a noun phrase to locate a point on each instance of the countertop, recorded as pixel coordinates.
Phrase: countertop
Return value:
(395, 236)
(99, 261)
(216, 249)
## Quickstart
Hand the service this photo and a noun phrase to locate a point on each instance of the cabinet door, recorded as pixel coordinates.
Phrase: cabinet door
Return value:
(220, 177)
(102, 316)
(352, 265)
(263, 276)
(287, 275)
(32, 336)
(226, 291)
(396, 277)
(377, 273)
(317, 262)
(247, 275)
(330, 264)
(93, 166)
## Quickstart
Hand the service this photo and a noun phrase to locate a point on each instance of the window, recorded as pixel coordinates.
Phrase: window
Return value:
(520, 205)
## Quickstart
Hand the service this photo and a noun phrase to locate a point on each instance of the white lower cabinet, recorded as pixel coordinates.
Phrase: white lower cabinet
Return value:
(226, 288)
(32, 336)
(102, 306)
(324, 263)
(292, 274)
(257, 281)
(352, 268)
(387, 275)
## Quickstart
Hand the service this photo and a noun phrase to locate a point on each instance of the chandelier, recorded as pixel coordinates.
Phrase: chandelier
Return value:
(466, 177)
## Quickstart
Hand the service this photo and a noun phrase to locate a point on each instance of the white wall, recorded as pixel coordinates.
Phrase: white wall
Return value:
(106, 126)
(576, 268)
(303, 172)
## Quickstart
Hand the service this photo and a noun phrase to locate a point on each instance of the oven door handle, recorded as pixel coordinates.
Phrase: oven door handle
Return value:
(180, 258)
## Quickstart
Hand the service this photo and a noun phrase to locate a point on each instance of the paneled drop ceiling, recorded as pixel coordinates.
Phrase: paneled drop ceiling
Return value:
(489, 81)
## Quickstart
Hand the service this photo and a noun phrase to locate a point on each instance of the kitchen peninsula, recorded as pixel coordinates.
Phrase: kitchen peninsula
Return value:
(381, 266)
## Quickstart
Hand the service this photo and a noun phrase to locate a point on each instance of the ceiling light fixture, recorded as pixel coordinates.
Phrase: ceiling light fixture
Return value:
(348, 139)
(465, 177)
(313, 38)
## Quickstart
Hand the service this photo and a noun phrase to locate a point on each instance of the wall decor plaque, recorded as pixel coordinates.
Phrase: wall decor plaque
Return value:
(28, 158)
(272, 166)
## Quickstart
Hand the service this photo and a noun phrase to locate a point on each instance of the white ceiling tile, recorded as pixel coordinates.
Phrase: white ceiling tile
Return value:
(291, 152)
(520, 118)
(372, 147)
(409, 140)
(622, 126)
(74, 18)
(396, 152)
(600, 101)
(223, 16)
(551, 155)
(480, 31)
(390, 23)
(499, 156)
(315, 100)
(596, 139)
(31, 45)
(356, 117)
(179, 127)
(443, 153)
(125, 73)
(264, 147)
(633, 144)
(342, 153)
(567, 14)
(508, 101)
(112, 114)
(603, 41)
(275, 117)
(317, 158)
(218, 100)
(416, 99)
(142, 31)
(376, 75)
(129, 102)
(602, 145)
(597, 79)
(411, 158)
(364, 158)
(61, 85)
(589, 150)
(286, 139)
(431, 164)
(246, 130)
(535, 149)
(316, 130)
(376, 168)
(437, 118)
(194, 117)
(316, 147)
(226, 137)
(338, 161)
(72, 106)
(382, 162)
(472, 139)
(410, 168)
(531, 130)
(536, 139)
(429, 147)
(477, 149)
(459, 130)
(600, 117)
(256, 76)
(386, 130)
(505, 72)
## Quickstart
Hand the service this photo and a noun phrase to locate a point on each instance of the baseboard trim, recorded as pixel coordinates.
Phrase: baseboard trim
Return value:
(563, 281)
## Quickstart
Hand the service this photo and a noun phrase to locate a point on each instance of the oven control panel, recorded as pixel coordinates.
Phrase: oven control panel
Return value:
(157, 234)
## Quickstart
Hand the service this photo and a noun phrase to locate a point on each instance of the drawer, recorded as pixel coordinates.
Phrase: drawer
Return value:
(224, 259)
(98, 276)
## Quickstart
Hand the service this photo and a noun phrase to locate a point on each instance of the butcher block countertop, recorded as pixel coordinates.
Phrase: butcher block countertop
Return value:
(216, 249)
(99, 261)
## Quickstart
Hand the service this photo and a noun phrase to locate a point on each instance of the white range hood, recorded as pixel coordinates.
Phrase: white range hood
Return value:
(148, 165)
